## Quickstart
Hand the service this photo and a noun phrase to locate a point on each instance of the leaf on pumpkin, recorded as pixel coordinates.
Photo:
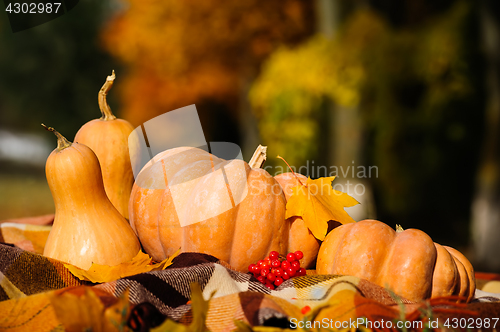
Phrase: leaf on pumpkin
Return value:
(317, 203)
(103, 273)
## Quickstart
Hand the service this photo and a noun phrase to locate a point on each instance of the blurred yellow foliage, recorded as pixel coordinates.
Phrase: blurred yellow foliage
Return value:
(367, 64)
(289, 92)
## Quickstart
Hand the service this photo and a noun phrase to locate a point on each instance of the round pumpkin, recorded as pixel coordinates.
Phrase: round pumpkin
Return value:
(187, 198)
(108, 137)
(87, 227)
(407, 262)
(300, 237)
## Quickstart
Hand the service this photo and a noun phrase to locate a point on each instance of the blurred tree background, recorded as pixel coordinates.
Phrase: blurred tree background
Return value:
(410, 87)
(48, 74)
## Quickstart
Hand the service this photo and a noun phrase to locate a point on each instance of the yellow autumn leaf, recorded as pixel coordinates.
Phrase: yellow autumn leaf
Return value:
(103, 273)
(317, 203)
(79, 313)
(86, 312)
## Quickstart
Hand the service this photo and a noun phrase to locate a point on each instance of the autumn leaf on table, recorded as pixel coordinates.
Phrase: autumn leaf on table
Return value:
(103, 273)
(317, 203)
(86, 312)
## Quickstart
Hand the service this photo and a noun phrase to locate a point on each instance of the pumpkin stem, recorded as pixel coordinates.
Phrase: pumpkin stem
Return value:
(399, 229)
(62, 142)
(259, 157)
(294, 174)
(107, 115)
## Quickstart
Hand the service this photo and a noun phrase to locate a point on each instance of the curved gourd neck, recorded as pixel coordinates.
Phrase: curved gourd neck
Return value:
(76, 180)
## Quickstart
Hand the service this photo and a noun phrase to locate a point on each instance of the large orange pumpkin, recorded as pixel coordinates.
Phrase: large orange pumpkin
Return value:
(204, 192)
(408, 262)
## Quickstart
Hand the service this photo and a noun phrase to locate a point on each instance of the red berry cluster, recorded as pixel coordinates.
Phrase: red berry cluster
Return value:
(272, 272)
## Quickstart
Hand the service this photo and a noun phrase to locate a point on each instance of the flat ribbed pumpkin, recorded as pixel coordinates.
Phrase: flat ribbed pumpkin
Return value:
(407, 262)
(230, 210)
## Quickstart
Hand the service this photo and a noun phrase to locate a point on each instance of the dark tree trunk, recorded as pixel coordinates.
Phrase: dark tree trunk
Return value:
(486, 203)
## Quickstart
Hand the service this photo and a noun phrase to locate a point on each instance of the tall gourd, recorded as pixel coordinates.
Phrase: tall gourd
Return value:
(87, 227)
(108, 138)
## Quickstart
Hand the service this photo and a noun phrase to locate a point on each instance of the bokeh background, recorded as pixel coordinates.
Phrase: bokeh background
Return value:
(410, 88)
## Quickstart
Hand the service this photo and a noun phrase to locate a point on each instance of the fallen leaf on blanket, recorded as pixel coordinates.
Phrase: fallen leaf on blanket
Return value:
(79, 313)
(199, 308)
(103, 273)
(317, 203)
(87, 313)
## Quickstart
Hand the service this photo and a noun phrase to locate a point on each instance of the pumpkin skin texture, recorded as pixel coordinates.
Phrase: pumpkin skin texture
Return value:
(87, 227)
(240, 235)
(300, 237)
(108, 138)
(407, 262)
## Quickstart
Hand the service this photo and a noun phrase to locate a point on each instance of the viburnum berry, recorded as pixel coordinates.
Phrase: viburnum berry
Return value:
(305, 310)
(265, 266)
(274, 255)
(272, 272)
(285, 265)
(301, 272)
(291, 271)
(269, 285)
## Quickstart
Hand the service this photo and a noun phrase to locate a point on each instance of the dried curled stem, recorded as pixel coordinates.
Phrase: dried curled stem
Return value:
(107, 115)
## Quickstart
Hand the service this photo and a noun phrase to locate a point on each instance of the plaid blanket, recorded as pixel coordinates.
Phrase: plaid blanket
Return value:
(39, 294)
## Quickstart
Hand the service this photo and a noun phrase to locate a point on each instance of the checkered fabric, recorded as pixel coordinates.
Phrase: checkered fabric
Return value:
(30, 283)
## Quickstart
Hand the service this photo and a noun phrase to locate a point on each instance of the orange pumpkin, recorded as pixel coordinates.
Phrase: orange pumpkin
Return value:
(108, 138)
(408, 262)
(300, 237)
(204, 193)
(87, 227)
